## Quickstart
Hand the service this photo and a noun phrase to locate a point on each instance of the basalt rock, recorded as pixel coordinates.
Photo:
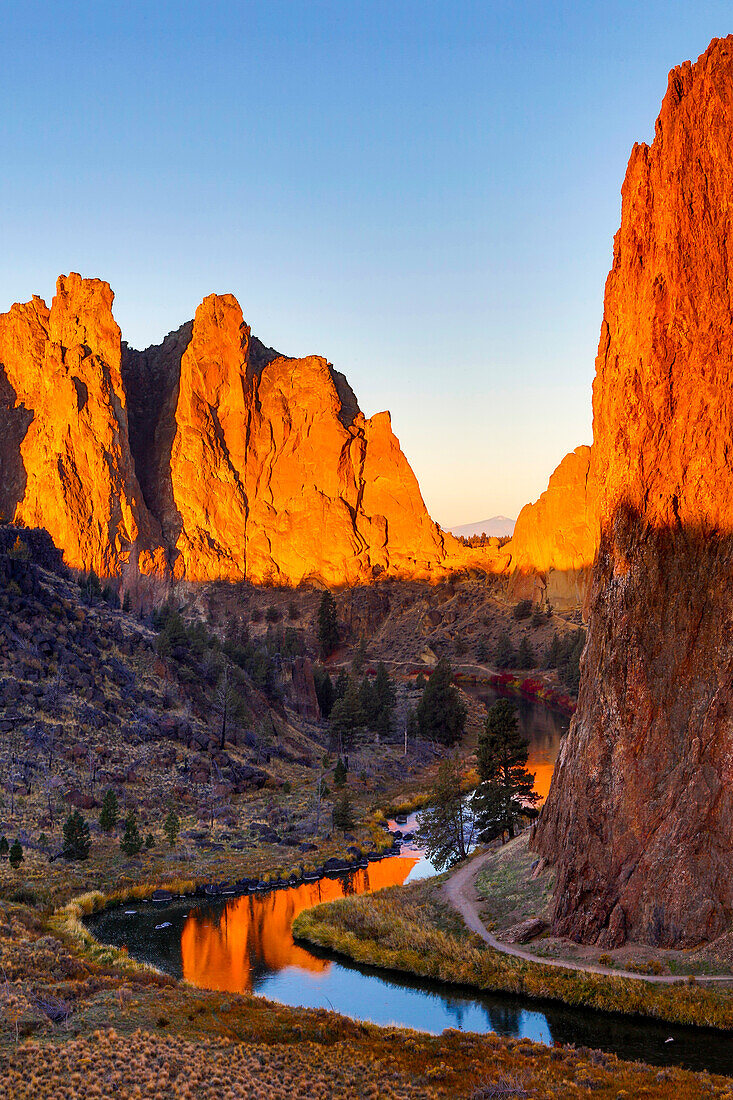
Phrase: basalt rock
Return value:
(639, 817)
(206, 457)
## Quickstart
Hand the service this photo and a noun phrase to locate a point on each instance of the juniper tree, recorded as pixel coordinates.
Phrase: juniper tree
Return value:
(16, 855)
(504, 654)
(171, 826)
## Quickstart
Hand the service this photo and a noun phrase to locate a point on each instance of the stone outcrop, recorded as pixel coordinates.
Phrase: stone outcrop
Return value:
(65, 461)
(552, 550)
(206, 457)
(639, 816)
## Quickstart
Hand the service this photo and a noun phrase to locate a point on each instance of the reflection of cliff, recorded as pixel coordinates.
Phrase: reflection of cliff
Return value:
(254, 932)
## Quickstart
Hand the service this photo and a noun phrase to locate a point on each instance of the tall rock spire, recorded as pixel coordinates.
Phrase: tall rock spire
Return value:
(639, 819)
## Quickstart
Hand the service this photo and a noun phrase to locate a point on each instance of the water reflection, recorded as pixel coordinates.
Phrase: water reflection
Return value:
(236, 948)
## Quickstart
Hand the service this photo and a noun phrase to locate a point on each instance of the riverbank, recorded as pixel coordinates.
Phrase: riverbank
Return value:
(413, 929)
(75, 1027)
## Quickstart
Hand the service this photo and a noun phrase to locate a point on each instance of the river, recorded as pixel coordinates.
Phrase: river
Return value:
(245, 944)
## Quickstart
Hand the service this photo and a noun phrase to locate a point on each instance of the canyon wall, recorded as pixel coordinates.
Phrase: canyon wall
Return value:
(551, 553)
(206, 457)
(639, 817)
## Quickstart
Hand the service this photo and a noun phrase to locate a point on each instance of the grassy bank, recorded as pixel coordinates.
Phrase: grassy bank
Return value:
(410, 929)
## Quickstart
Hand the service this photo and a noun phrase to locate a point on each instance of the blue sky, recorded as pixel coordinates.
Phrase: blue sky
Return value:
(424, 192)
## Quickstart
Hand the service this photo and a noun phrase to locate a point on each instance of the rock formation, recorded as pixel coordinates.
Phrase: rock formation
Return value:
(65, 461)
(640, 816)
(206, 457)
(554, 544)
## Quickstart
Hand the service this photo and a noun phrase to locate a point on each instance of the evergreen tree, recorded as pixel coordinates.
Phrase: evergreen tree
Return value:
(441, 715)
(525, 654)
(342, 682)
(554, 652)
(171, 826)
(328, 634)
(506, 787)
(504, 654)
(446, 826)
(4, 847)
(149, 841)
(343, 814)
(16, 855)
(482, 651)
(131, 843)
(339, 773)
(368, 702)
(347, 717)
(76, 837)
(109, 814)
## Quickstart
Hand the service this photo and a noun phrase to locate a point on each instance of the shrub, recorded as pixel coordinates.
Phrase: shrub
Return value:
(523, 609)
(16, 856)
(272, 615)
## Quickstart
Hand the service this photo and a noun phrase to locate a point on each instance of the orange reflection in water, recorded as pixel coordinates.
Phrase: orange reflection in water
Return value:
(254, 931)
(542, 777)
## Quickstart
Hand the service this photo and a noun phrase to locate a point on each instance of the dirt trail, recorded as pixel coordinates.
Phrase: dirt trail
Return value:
(461, 892)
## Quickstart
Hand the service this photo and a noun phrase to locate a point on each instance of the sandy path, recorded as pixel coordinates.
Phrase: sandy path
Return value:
(461, 892)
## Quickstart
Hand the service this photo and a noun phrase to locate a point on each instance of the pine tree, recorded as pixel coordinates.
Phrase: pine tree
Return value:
(109, 814)
(506, 787)
(343, 814)
(171, 826)
(131, 843)
(554, 652)
(16, 855)
(504, 654)
(525, 654)
(76, 837)
(339, 773)
(441, 715)
(359, 658)
(342, 682)
(328, 634)
(446, 826)
(347, 717)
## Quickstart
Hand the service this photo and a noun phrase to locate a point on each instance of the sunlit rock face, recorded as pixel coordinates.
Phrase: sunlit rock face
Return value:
(554, 544)
(640, 815)
(206, 457)
(65, 461)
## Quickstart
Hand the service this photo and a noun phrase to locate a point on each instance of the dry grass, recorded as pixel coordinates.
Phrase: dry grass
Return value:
(402, 928)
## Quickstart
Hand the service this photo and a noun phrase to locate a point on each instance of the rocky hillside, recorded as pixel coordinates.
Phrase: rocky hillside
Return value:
(638, 820)
(208, 456)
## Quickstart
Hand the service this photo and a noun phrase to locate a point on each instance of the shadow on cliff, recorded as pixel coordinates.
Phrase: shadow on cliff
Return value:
(14, 423)
(638, 819)
(151, 379)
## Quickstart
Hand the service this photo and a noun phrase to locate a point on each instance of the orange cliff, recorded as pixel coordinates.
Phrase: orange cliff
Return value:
(208, 456)
(65, 461)
(552, 550)
(638, 819)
